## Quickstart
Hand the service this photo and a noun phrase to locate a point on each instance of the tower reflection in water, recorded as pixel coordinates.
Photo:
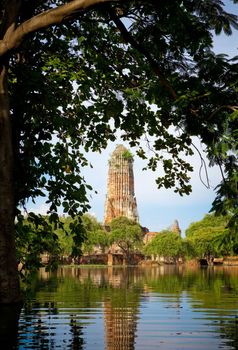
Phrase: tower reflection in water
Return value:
(117, 289)
(121, 312)
(123, 308)
(120, 327)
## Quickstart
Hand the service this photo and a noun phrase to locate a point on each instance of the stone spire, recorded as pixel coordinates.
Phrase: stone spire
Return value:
(120, 199)
(175, 227)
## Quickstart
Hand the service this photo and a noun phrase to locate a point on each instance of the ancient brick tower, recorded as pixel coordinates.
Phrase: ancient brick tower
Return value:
(175, 227)
(120, 199)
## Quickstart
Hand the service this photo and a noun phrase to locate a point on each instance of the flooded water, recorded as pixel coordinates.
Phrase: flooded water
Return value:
(130, 308)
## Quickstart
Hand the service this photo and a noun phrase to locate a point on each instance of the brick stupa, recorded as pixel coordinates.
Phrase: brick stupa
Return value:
(120, 199)
(175, 227)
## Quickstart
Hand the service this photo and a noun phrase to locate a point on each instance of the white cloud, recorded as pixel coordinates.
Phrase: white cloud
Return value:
(38, 208)
(157, 208)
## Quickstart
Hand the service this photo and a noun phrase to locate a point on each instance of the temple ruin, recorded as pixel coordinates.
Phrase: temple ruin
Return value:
(175, 227)
(120, 199)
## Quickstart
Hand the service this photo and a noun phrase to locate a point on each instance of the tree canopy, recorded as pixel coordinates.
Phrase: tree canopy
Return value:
(127, 235)
(82, 75)
(95, 235)
(210, 222)
(73, 72)
(210, 237)
(165, 244)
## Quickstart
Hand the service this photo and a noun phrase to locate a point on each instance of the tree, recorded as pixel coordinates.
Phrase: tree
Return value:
(127, 235)
(209, 222)
(71, 73)
(95, 235)
(35, 236)
(204, 245)
(167, 244)
(210, 237)
(98, 238)
(66, 238)
(29, 116)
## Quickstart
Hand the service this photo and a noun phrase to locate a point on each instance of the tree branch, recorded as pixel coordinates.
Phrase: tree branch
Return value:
(154, 65)
(13, 39)
(229, 107)
(203, 164)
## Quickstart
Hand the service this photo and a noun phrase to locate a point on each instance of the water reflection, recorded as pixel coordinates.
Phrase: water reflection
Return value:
(131, 308)
(120, 327)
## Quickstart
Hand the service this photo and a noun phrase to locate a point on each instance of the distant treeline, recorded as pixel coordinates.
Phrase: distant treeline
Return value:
(205, 239)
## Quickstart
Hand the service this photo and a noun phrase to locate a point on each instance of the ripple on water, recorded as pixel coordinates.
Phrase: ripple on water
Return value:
(135, 311)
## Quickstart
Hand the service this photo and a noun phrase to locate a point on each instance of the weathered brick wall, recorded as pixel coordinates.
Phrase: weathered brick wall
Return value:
(120, 199)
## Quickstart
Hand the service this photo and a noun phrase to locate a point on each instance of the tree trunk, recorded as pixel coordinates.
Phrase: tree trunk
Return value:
(9, 280)
(9, 318)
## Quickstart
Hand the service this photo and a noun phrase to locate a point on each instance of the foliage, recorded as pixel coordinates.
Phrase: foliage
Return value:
(95, 235)
(210, 222)
(204, 244)
(35, 236)
(68, 245)
(72, 84)
(210, 237)
(127, 234)
(166, 60)
(127, 155)
(165, 243)
(92, 234)
(90, 223)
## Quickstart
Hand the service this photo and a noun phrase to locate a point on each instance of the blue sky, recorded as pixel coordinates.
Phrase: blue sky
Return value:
(158, 208)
